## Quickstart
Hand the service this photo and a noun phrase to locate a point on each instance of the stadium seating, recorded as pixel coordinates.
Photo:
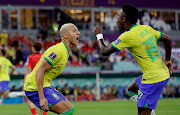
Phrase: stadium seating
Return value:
(126, 66)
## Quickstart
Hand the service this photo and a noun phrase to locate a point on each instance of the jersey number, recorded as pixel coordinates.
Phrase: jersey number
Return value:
(152, 49)
(4, 68)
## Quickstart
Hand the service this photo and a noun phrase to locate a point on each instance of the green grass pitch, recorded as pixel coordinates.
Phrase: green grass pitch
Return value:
(124, 107)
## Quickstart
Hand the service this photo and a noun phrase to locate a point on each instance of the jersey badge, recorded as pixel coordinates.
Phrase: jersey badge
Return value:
(52, 56)
(117, 41)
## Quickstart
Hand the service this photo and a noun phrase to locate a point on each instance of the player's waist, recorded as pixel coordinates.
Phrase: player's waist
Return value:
(155, 70)
(154, 78)
(30, 87)
(153, 81)
(4, 75)
(5, 79)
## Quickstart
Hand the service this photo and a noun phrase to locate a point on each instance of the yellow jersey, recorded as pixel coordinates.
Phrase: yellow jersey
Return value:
(4, 37)
(4, 69)
(141, 41)
(57, 56)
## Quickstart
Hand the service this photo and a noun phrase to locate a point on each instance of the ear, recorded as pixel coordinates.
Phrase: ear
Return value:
(64, 35)
(124, 19)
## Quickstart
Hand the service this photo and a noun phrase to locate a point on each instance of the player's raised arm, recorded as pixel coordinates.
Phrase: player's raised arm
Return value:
(167, 46)
(44, 66)
(105, 50)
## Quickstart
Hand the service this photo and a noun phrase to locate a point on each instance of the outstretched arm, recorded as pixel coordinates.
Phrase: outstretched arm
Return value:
(105, 50)
(40, 80)
(167, 46)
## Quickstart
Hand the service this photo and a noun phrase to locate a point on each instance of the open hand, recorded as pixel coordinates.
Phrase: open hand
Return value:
(97, 30)
(169, 65)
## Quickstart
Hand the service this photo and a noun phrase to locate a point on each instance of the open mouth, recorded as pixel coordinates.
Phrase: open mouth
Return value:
(77, 39)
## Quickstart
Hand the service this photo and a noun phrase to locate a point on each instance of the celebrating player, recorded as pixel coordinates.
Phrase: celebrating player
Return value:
(37, 85)
(141, 41)
(5, 64)
(30, 64)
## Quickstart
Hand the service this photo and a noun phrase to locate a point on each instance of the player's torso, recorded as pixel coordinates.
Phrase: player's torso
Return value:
(57, 68)
(144, 45)
(53, 72)
(4, 37)
(147, 54)
(4, 75)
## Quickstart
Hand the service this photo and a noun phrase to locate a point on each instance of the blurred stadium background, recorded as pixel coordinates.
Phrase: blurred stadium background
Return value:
(88, 75)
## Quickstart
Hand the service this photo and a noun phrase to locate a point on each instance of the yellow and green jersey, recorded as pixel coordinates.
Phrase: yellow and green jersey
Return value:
(4, 69)
(141, 41)
(4, 37)
(57, 56)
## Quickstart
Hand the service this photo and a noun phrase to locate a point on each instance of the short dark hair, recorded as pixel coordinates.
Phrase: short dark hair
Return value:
(3, 52)
(37, 46)
(131, 13)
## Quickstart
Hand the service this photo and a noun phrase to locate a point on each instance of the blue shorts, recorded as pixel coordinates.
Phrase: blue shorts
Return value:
(52, 96)
(4, 85)
(149, 93)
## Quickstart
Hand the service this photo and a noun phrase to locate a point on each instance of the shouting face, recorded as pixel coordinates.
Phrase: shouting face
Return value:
(73, 35)
(121, 19)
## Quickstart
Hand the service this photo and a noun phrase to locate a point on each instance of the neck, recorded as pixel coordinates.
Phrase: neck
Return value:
(128, 26)
(36, 52)
(68, 44)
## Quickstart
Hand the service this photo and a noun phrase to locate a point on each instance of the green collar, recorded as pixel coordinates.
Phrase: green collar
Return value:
(133, 27)
(65, 46)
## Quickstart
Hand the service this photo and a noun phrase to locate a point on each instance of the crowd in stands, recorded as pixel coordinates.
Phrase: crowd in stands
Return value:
(18, 48)
(156, 22)
(171, 91)
(86, 93)
(145, 18)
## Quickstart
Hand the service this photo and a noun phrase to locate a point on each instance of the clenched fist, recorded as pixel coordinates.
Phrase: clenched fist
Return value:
(97, 30)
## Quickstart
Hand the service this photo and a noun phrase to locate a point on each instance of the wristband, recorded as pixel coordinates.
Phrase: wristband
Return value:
(99, 36)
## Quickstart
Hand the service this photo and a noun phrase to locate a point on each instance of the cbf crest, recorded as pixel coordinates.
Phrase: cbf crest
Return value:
(55, 96)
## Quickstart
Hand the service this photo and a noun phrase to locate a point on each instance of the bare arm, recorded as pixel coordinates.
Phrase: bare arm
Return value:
(28, 70)
(44, 66)
(167, 46)
(105, 50)
(12, 69)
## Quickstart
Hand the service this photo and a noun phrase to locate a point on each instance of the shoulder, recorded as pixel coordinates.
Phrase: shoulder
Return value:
(125, 35)
(53, 49)
(146, 27)
(30, 56)
(6, 59)
(37, 55)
